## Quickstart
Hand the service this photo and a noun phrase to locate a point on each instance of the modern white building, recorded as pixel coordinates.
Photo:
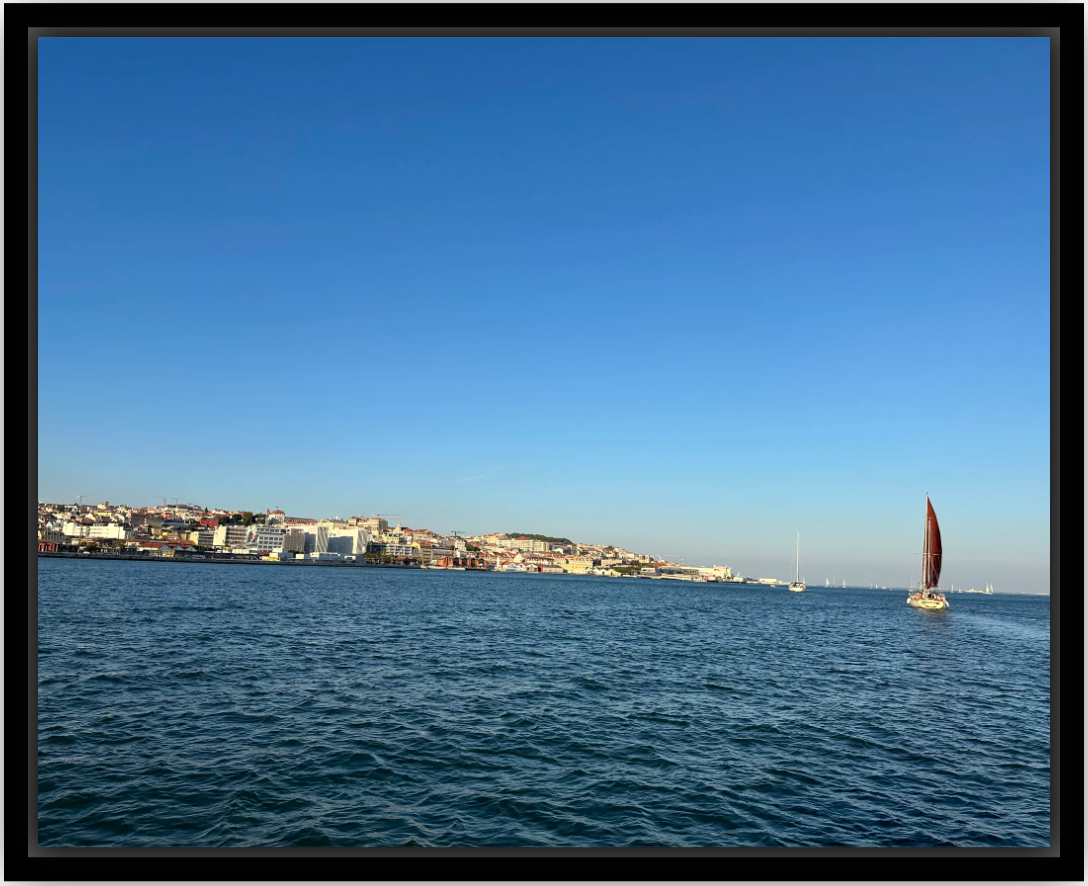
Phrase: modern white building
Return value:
(348, 541)
(317, 539)
(230, 536)
(268, 538)
(393, 550)
(108, 530)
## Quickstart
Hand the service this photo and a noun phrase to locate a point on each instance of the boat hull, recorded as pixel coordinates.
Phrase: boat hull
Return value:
(797, 587)
(934, 602)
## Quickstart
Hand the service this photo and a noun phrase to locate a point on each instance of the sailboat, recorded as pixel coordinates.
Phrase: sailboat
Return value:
(925, 597)
(798, 583)
(844, 583)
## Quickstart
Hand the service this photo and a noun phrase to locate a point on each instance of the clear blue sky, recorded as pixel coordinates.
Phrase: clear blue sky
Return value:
(688, 296)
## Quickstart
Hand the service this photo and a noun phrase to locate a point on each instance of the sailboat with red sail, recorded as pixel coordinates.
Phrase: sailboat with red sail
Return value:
(925, 597)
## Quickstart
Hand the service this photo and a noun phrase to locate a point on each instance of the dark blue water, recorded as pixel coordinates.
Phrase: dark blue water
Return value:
(196, 704)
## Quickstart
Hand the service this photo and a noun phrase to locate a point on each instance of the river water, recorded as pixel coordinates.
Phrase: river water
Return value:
(208, 705)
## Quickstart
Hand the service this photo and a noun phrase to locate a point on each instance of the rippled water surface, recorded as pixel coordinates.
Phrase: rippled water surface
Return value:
(199, 704)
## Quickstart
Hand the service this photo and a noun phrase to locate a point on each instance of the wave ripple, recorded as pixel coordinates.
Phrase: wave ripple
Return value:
(255, 706)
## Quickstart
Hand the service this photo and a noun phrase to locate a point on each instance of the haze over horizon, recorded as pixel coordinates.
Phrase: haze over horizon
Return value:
(685, 296)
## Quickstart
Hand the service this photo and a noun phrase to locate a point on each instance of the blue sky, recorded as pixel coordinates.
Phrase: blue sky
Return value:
(688, 296)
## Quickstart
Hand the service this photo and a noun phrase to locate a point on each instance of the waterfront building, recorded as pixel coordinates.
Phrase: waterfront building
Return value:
(229, 535)
(538, 560)
(347, 541)
(203, 537)
(295, 540)
(266, 538)
(317, 539)
(320, 555)
(389, 549)
(579, 565)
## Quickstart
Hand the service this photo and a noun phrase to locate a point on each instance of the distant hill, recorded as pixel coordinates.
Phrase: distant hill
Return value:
(551, 538)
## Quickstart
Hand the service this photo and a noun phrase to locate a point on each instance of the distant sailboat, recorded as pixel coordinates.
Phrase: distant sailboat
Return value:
(926, 597)
(798, 583)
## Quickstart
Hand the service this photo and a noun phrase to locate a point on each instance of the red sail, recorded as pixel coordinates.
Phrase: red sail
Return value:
(933, 546)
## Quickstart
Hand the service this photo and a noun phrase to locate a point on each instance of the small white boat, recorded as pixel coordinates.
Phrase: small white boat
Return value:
(925, 597)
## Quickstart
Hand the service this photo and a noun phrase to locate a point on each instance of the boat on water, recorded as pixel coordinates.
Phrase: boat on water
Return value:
(989, 590)
(925, 597)
(798, 583)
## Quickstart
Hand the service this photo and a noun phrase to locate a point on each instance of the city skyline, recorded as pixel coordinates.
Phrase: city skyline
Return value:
(835, 575)
(683, 296)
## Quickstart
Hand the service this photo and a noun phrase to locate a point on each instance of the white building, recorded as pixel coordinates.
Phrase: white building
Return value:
(108, 530)
(317, 540)
(348, 541)
(268, 538)
(230, 536)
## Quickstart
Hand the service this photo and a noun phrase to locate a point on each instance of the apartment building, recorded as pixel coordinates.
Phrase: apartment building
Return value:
(203, 537)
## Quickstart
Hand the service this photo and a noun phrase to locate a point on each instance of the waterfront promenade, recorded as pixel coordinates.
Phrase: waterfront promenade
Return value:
(207, 558)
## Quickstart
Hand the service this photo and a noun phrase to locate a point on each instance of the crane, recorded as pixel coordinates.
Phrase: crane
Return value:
(80, 498)
(164, 500)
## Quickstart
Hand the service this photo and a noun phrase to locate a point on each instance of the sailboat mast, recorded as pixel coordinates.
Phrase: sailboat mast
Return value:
(797, 564)
(924, 582)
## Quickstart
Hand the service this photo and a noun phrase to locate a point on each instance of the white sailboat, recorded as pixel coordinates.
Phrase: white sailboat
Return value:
(798, 583)
(925, 597)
